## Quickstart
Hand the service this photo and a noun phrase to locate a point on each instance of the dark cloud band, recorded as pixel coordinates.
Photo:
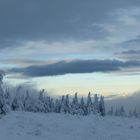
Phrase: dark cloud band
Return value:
(73, 67)
(129, 55)
(47, 19)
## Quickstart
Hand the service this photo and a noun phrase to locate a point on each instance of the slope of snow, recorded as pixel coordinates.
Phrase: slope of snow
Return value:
(39, 126)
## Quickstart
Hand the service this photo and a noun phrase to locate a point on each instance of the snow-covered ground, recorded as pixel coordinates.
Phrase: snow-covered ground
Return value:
(39, 126)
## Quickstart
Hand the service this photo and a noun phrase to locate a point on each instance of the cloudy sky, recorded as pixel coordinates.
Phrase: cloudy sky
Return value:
(71, 45)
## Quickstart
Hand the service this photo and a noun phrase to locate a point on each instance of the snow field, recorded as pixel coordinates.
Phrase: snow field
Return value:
(39, 126)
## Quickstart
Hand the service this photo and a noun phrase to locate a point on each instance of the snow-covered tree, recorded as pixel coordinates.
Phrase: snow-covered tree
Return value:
(135, 113)
(89, 104)
(8, 97)
(82, 108)
(18, 101)
(41, 96)
(122, 111)
(57, 106)
(102, 106)
(62, 102)
(29, 103)
(66, 104)
(40, 104)
(47, 104)
(52, 105)
(75, 105)
(4, 108)
(96, 104)
(111, 111)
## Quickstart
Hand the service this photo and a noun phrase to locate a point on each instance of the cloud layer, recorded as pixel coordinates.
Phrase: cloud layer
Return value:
(49, 38)
(77, 66)
(129, 55)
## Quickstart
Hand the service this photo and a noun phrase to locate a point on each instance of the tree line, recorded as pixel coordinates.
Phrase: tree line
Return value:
(121, 112)
(64, 104)
(47, 104)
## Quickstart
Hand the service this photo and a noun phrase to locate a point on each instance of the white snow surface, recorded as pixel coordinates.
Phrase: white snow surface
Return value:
(39, 126)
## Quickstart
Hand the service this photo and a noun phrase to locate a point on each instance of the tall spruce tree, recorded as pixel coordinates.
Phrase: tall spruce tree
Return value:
(75, 105)
(89, 103)
(66, 105)
(102, 106)
(62, 102)
(96, 104)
